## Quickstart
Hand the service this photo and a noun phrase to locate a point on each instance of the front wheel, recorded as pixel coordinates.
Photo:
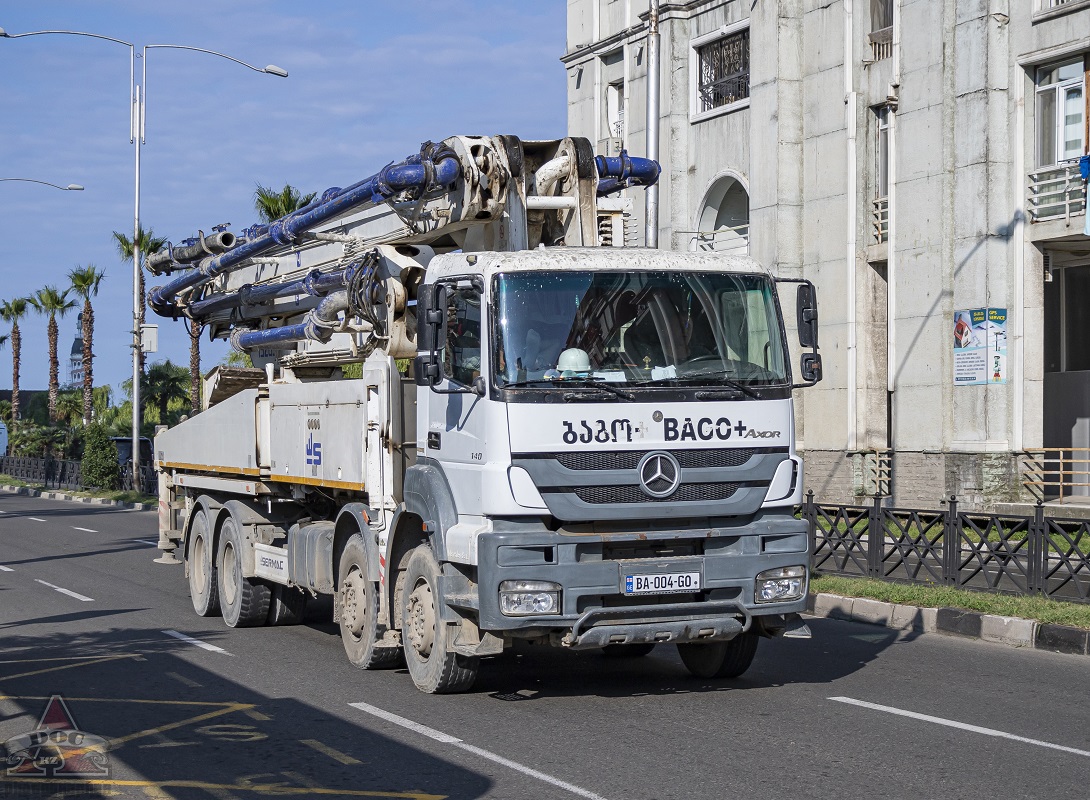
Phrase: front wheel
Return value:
(429, 654)
(245, 601)
(720, 659)
(360, 630)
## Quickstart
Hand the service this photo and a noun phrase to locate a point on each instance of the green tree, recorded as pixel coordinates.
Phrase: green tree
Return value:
(271, 204)
(85, 283)
(166, 381)
(99, 466)
(12, 311)
(52, 302)
(149, 243)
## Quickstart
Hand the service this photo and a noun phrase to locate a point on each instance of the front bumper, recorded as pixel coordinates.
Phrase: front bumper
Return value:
(590, 569)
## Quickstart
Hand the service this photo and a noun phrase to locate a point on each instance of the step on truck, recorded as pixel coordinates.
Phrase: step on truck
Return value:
(475, 416)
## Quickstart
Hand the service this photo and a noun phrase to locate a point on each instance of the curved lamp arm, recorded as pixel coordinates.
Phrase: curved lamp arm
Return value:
(72, 187)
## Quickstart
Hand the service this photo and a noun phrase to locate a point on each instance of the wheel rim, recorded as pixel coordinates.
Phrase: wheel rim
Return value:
(198, 568)
(420, 619)
(230, 590)
(354, 603)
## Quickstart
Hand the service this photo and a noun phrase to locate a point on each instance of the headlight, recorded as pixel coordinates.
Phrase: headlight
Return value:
(525, 598)
(781, 584)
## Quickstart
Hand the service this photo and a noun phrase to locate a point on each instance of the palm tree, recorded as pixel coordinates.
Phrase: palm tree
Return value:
(12, 311)
(272, 205)
(149, 243)
(85, 283)
(51, 301)
(166, 381)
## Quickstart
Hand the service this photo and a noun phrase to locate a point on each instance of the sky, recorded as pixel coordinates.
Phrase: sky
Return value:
(369, 81)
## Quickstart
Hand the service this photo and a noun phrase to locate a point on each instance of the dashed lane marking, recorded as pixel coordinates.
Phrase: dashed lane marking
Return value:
(36, 519)
(85, 530)
(196, 642)
(959, 725)
(68, 592)
(192, 684)
(5, 569)
(146, 541)
(326, 750)
(446, 738)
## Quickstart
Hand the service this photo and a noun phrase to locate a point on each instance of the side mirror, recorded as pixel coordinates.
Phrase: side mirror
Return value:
(810, 367)
(431, 334)
(807, 315)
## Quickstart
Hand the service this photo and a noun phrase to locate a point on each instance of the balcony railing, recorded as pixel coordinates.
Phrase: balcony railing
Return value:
(1057, 472)
(881, 44)
(724, 240)
(1057, 192)
(880, 220)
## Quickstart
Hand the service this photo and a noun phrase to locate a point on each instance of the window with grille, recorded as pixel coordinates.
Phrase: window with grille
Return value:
(723, 71)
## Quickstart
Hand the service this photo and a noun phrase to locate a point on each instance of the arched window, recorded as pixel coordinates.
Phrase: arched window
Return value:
(724, 219)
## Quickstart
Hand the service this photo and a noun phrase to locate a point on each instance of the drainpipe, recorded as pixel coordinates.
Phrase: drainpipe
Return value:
(853, 202)
(651, 235)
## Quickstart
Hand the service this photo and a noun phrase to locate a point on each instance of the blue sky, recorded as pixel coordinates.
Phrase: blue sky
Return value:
(368, 82)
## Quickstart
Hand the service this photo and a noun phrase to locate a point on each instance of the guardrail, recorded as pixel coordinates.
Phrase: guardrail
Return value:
(57, 473)
(1034, 555)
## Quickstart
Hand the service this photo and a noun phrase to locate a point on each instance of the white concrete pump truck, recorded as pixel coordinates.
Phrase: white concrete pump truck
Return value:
(591, 447)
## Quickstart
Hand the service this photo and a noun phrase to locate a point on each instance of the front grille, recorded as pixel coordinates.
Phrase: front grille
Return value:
(688, 493)
(630, 459)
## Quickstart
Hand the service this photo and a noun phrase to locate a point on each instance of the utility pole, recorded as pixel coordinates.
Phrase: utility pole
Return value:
(651, 236)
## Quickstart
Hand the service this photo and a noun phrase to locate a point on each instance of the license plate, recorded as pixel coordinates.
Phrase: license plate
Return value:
(662, 583)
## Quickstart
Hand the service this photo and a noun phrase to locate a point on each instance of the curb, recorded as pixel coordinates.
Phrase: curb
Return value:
(1010, 631)
(26, 491)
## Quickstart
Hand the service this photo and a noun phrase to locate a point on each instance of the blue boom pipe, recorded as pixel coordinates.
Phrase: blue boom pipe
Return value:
(317, 326)
(315, 284)
(620, 172)
(433, 166)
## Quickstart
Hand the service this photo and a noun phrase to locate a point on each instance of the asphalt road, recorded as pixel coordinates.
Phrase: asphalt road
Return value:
(84, 614)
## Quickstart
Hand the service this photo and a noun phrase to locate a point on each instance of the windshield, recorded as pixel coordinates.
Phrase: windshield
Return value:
(676, 328)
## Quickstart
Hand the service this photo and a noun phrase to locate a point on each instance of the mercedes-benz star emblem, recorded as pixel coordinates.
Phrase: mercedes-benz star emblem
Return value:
(660, 474)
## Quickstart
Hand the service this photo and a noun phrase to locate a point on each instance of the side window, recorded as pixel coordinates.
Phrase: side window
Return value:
(462, 356)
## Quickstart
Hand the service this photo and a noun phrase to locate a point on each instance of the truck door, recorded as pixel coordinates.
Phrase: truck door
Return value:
(456, 421)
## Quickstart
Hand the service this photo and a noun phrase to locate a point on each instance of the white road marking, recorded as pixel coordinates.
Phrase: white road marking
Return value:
(36, 519)
(85, 530)
(196, 642)
(146, 541)
(66, 591)
(5, 569)
(446, 738)
(960, 725)
(192, 684)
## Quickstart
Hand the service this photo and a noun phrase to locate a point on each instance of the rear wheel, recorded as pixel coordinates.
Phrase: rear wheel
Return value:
(287, 605)
(360, 630)
(720, 659)
(203, 587)
(245, 601)
(428, 641)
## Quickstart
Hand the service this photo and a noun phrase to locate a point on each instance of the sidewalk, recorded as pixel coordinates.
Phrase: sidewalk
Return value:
(1011, 631)
(26, 491)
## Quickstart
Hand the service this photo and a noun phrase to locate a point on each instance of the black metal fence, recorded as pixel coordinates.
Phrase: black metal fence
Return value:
(56, 473)
(991, 552)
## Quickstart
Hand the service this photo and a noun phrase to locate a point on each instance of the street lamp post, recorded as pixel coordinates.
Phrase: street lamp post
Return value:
(138, 97)
(72, 187)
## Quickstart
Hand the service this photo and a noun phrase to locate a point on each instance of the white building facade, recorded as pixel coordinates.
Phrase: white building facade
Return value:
(914, 159)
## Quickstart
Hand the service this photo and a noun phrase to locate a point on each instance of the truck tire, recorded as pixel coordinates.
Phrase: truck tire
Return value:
(360, 631)
(287, 605)
(628, 650)
(244, 601)
(434, 666)
(203, 584)
(720, 659)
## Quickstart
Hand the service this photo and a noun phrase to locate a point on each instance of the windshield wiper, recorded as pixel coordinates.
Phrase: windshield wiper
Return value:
(595, 384)
(720, 374)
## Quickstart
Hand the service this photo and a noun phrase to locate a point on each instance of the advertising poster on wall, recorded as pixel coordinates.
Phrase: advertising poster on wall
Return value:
(980, 346)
